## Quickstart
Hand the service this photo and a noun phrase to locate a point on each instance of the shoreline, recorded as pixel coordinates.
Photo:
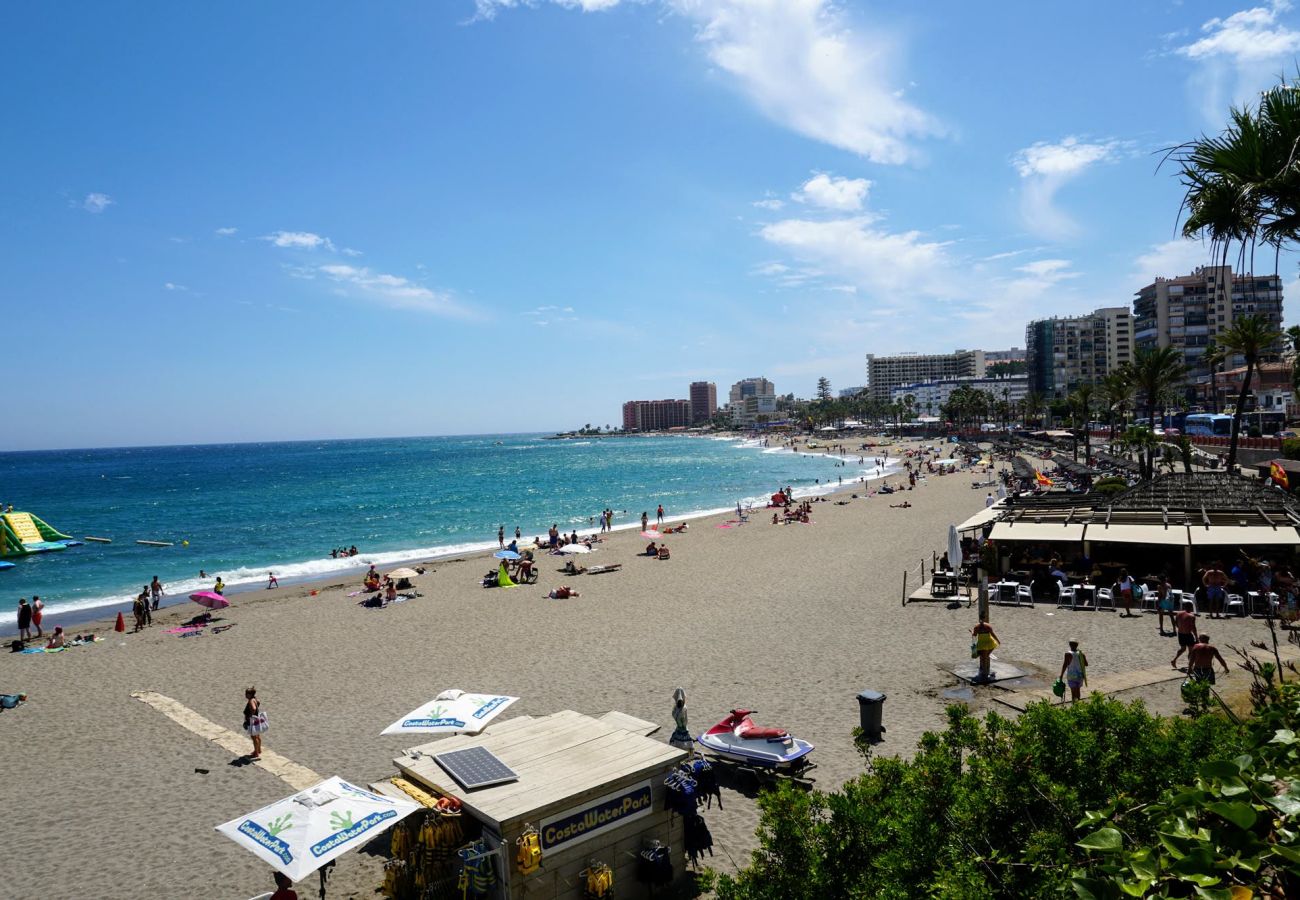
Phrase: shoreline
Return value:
(101, 618)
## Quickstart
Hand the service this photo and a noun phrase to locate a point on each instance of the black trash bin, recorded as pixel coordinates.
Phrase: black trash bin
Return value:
(870, 708)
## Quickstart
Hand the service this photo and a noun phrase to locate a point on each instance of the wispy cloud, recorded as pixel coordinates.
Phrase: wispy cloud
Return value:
(226, 232)
(172, 286)
(393, 290)
(1239, 55)
(769, 203)
(1169, 259)
(96, 202)
(829, 192)
(299, 240)
(800, 64)
(1045, 168)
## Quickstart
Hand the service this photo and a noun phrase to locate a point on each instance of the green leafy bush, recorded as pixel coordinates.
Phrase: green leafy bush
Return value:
(986, 808)
(1291, 448)
(1110, 485)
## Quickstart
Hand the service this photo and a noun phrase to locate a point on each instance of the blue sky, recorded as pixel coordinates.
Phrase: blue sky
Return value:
(274, 221)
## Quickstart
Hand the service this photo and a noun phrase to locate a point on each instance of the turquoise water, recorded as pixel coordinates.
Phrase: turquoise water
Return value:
(247, 509)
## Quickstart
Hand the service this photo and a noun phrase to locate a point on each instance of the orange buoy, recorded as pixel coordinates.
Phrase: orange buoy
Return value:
(121, 623)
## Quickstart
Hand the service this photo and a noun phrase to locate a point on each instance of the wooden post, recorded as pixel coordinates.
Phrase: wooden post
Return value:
(904, 587)
(984, 599)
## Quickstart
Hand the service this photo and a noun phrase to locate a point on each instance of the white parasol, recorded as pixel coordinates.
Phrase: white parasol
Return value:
(301, 833)
(452, 712)
(575, 548)
(954, 549)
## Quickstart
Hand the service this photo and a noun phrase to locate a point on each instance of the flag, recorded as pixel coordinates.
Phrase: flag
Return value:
(1279, 476)
(1042, 479)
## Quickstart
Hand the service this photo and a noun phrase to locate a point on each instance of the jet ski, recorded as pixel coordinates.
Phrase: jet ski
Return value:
(737, 739)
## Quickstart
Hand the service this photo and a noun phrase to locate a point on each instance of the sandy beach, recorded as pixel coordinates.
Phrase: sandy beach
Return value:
(792, 620)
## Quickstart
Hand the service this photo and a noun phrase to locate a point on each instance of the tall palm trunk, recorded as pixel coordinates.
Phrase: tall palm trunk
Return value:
(1237, 413)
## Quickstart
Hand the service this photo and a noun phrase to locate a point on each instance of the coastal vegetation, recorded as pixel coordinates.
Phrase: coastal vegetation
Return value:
(1098, 799)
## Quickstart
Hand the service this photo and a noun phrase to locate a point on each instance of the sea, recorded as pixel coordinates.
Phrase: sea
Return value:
(243, 510)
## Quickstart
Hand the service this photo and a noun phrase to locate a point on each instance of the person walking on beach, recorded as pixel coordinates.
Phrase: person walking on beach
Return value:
(1164, 602)
(501, 537)
(146, 616)
(38, 607)
(984, 642)
(645, 521)
(271, 581)
(254, 721)
(659, 520)
(156, 591)
(220, 586)
(1200, 660)
(137, 611)
(1185, 628)
(1074, 670)
(24, 620)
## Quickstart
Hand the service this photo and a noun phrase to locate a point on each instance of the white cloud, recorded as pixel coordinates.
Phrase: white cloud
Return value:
(802, 66)
(1045, 168)
(1052, 270)
(829, 192)
(393, 290)
(96, 202)
(1167, 260)
(171, 286)
(301, 240)
(771, 269)
(1238, 56)
(348, 251)
(890, 264)
(226, 232)
(769, 203)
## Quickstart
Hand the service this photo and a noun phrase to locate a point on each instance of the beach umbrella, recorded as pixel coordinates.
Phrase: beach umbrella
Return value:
(954, 548)
(210, 599)
(575, 548)
(301, 833)
(403, 573)
(505, 554)
(452, 712)
(652, 535)
(1002, 492)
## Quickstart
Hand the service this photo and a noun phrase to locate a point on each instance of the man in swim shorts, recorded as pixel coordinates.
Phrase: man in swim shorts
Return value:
(1185, 628)
(1200, 660)
(1215, 582)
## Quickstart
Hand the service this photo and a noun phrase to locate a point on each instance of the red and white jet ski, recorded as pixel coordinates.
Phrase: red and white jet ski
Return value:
(737, 739)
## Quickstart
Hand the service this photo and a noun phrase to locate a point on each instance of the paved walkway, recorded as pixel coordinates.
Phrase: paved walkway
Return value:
(1124, 681)
(296, 776)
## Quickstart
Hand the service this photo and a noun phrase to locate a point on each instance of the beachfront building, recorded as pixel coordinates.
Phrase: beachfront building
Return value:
(929, 397)
(656, 415)
(884, 373)
(704, 402)
(1187, 313)
(752, 401)
(1064, 352)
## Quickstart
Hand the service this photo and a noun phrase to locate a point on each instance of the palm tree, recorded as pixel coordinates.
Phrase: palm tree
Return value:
(1154, 372)
(1250, 336)
(1082, 402)
(1293, 338)
(1214, 357)
(1116, 396)
(1033, 405)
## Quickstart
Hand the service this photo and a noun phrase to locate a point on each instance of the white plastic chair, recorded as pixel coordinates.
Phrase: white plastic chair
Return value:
(1023, 592)
(1104, 598)
(1235, 602)
(1065, 597)
(1150, 600)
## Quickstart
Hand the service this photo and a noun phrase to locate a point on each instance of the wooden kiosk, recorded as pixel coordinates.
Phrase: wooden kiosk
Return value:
(592, 787)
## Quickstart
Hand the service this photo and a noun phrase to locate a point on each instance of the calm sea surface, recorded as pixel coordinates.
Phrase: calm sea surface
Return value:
(247, 509)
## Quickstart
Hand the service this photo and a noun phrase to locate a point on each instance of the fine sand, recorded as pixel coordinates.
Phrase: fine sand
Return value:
(105, 799)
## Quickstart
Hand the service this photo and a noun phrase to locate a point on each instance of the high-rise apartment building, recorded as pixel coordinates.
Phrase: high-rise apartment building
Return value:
(1063, 353)
(884, 373)
(656, 415)
(752, 401)
(1189, 311)
(704, 401)
(929, 397)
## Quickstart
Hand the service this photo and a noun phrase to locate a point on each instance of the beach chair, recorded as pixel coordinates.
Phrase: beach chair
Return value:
(1025, 593)
(1150, 600)
(1105, 599)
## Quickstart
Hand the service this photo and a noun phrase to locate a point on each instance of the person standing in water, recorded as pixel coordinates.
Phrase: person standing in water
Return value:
(501, 537)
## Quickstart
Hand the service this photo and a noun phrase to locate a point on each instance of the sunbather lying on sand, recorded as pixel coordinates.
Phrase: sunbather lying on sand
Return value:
(600, 570)
(564, 592)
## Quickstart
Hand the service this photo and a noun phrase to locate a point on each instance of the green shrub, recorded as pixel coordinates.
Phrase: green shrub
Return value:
(987, 807)
(1291, 448)
(1110, 485)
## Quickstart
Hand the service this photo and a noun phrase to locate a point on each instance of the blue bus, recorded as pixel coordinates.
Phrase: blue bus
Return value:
(1208, 425)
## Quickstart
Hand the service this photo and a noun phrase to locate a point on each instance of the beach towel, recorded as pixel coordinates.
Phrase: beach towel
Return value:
(503, 577)
(183, 629)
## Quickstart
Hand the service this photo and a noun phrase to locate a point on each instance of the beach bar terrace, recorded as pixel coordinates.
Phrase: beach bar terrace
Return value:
(1201, 515)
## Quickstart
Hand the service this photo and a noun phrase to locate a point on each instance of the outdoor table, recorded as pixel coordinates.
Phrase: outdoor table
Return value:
(1085, 595)
(1255, 600)
(943, 583)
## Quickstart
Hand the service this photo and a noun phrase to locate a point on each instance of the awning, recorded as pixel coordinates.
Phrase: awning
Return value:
(982, 518)
(1036, 531)
(1243, 535)
(1173, 536)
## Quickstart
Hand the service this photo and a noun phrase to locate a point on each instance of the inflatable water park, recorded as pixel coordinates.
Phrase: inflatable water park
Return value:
(22, 533)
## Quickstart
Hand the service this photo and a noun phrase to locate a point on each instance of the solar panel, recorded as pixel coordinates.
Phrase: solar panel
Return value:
(475, 767)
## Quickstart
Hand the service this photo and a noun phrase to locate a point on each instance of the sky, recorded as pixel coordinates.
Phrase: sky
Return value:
(249, 221)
